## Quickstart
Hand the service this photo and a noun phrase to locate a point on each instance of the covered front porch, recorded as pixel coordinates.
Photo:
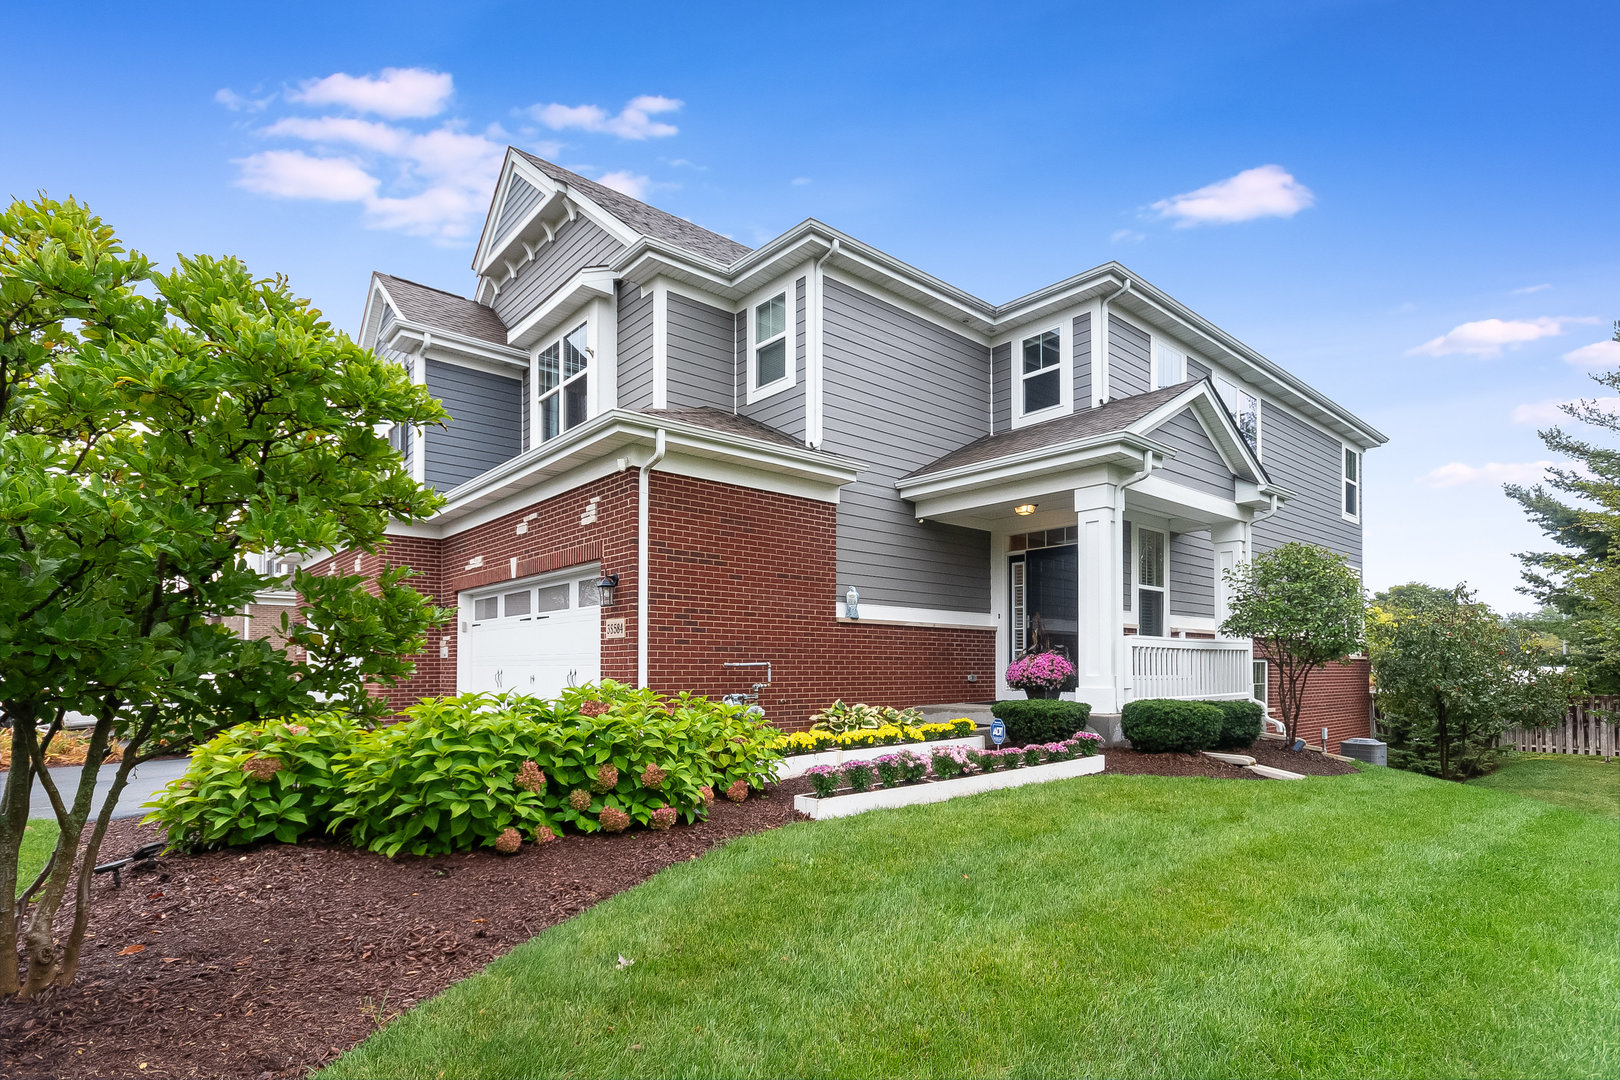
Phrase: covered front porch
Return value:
(1112, 549)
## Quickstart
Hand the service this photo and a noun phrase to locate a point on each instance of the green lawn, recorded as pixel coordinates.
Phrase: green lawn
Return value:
(1582, 783)
(1381, 924)
(39, 837)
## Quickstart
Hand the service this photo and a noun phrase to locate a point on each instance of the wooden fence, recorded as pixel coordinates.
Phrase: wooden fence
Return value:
(1589, 727)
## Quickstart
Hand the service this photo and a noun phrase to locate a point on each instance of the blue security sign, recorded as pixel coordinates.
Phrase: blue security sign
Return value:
(998, 731)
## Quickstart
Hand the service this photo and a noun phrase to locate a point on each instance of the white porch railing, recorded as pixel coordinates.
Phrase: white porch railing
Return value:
(1177, 668)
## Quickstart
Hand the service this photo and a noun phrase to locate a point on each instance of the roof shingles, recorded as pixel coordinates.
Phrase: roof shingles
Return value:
(424, 304)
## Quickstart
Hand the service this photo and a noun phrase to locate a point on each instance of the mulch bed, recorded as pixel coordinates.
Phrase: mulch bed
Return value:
(271, 961)
(1265, 751)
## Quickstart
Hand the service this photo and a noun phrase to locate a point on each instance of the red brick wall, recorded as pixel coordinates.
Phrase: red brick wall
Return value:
(736, 574)
(1338, 697)
(264, 620)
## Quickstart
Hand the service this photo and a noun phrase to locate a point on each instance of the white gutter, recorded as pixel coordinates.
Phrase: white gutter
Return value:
(643, 560)
(1276, 505)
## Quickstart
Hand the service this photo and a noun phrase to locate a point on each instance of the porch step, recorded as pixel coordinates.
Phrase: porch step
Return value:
(1108, 726)
(977, 711)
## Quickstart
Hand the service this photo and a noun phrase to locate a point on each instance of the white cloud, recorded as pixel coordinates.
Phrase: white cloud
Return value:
(799, 181)
(368, 134)
(238, 103)
(632, 184)
(397, 93)
(634, 121)
(1599, 354)
(1550, 411)
(1458, 474)
(293, 174)
(1528, 289)
(1488, 337)
(1125, 236)
(1266, 191)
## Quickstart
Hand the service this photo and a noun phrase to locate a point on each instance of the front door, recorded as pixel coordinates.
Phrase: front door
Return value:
(1044, 579)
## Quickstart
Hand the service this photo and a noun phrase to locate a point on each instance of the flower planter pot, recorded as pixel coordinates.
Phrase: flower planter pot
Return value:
(939, 790)
(1043, 694)
(798, 763)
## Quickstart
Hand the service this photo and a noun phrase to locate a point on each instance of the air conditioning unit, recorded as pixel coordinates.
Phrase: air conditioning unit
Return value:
(1371, 751)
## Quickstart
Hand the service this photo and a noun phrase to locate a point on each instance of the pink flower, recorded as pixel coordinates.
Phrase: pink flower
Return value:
(529, 777)
(613, 819)
(738, 791)
(1042, 671)
(509, 841)
(663, 817)
(652, 776)
(579, 799)
(544, 835)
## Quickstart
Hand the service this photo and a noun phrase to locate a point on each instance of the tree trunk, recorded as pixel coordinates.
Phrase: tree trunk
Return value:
(1445, 759)
(13, 820)
(69, 965)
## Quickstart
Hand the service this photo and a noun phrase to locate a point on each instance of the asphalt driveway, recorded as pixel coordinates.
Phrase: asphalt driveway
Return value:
(144, 782)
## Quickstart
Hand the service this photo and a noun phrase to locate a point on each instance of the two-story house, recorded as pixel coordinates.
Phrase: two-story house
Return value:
(814, 455)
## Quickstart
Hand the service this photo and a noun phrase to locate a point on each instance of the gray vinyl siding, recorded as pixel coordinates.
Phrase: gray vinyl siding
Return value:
(385, 323)
(783, 411)
(700, 349)
(1195, 370)
(1197, 463)
(520, 199)
(1082, 361)
(1310, 463)
(635, 347)
(901, 391)
(1129, 372)
(1001, 400)
(576, 245)
(484, 428)
(1192, 575)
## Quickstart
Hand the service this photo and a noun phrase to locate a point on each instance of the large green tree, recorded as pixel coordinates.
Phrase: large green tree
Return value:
(1579, 508)
(157, 430)
(1304, 606)
(1451, 676)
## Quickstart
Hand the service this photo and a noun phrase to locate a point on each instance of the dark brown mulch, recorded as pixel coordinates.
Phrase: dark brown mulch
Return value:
(1265, 751)
(272, 961)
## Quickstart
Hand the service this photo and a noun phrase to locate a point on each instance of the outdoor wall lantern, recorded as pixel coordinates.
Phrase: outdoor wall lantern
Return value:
(1024, 510)
(605, 587)
(852, 602)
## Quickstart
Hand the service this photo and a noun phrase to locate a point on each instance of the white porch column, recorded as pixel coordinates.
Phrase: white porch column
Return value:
(1231, 540)
(1101, 629)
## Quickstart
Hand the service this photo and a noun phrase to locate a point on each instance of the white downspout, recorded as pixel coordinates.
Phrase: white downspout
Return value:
(643, 559)
(1101, 380)
(1122, 678)
(813, 420)
(1276, 505)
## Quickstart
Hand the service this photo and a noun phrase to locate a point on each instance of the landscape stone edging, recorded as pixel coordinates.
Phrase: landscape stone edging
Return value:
(939, 790)
(799, 763)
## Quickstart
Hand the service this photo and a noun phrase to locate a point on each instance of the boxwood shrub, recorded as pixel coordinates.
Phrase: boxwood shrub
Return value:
(1240, 723)
(1040, 720)
(1157, 725)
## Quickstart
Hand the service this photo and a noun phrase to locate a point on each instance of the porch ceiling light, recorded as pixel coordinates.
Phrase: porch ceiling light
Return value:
(605, 587)
(1024, 510)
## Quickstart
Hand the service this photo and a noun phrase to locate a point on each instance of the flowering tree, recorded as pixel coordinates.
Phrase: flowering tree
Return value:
(1451, 676)
(1303, 605)
(155, 431)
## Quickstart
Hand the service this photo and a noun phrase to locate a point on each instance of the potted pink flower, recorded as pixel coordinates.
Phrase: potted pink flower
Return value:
(1040, 675)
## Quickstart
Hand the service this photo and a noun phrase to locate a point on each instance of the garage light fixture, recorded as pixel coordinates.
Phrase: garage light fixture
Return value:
(605, 587)
(1024, 510)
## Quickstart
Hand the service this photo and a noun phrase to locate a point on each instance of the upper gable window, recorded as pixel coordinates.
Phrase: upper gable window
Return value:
(1169, 366)
(1042, 376)
(1245, 410)
(564, 384)
(1352, 484)
(769, 363)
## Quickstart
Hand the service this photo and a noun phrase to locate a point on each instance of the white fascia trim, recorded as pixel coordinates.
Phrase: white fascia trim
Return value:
(554, 192)
(408, 336)
(587, 285)
(726, 472)
(909, 616)
(1123, 448)
(1203, 505)
(366, 315)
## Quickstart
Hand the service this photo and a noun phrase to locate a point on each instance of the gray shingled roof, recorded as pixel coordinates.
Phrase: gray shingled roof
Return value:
(648, 220)
(434, 307)
(1083, 424)
(729, 423)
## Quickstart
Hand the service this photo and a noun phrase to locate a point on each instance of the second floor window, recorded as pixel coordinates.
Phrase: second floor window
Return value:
(1245, 410)
(564, 384)
(1169, 366)
(1352, 484)
(1042, 372)
(770, 341)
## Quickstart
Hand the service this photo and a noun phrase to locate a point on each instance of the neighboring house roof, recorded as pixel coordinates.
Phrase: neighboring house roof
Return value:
(648, 220)
(728, 423)
(428, 306)
(1086, 423)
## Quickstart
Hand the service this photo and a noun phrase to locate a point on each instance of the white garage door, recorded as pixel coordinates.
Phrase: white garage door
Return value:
(534, 637)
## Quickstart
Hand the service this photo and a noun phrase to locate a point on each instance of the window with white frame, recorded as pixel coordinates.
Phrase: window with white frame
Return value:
(1150, 581)
(1245, 410)
(1262, 683)
(564, 384)
(1352, 484)
(1169, 366)
(1042, 375)
(769, 364)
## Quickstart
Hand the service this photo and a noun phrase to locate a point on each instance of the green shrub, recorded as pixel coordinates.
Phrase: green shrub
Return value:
(1157, 725)
(275, 781)
(1041, 721)
(1241, 722)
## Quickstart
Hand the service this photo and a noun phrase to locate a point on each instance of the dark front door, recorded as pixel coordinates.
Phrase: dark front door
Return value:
(1046, 600)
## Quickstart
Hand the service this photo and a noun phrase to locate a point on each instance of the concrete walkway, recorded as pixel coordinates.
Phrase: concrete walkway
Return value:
(147, 779)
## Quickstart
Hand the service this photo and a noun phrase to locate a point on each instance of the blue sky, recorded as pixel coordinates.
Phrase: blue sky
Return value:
(1434, 236)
